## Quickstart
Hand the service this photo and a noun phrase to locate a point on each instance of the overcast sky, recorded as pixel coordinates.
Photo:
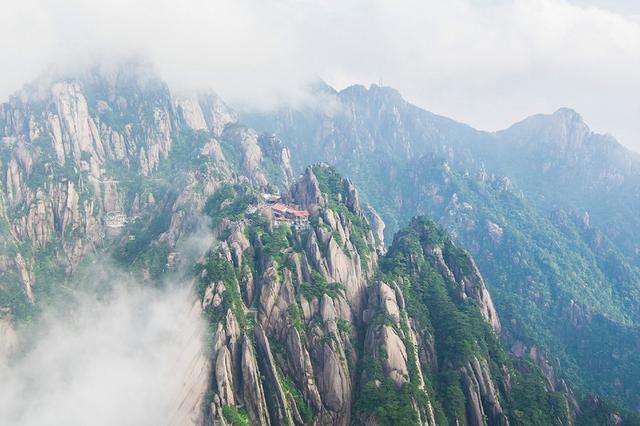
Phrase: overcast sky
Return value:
(488, 63)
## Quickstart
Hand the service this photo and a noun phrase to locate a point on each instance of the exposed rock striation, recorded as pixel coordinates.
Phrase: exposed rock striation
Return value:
(298, 312)
(311, 326)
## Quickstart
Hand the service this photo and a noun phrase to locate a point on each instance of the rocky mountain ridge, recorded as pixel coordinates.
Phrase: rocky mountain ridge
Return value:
(337, 342)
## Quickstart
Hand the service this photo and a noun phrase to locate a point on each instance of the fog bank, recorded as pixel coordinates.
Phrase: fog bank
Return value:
(120, 360)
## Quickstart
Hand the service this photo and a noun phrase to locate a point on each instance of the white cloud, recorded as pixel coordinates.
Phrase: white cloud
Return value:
(114, 351)
(488, 63)
(120, 360)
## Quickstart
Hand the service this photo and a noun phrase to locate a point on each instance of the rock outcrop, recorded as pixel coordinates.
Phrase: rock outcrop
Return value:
(192, 369)
(322, 333)
(298, 313)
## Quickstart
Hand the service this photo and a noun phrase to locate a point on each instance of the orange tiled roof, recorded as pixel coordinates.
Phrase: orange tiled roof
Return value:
(282, 208)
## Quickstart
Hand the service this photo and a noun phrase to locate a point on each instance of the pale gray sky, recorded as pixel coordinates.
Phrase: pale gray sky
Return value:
(631, 7)
(485, 62)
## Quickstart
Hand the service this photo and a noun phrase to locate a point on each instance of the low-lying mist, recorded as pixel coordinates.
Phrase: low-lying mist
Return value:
(119, 358)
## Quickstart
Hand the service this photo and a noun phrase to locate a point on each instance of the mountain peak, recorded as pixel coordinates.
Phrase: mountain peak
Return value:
(381, 92)
(565, 128)
(568, 115)
(321, 86)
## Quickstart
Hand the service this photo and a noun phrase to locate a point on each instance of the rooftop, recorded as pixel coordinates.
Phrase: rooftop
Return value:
(289, 210)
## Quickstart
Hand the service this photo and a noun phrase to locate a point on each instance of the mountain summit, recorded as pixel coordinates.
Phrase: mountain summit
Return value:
(563, 131)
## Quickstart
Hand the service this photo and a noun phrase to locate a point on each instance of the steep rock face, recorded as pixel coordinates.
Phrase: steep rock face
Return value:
(297, 315)
(461, 269)
(193, 369)
(378, 228)
(90, 157)
(453, 329)
(393, 345)
(407, 348)
(246, 140)
(306, 192)
(308, 328)
(204, 111)
(483, 400)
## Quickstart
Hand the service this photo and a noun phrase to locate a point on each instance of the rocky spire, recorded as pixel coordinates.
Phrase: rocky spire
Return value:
(306, 191)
